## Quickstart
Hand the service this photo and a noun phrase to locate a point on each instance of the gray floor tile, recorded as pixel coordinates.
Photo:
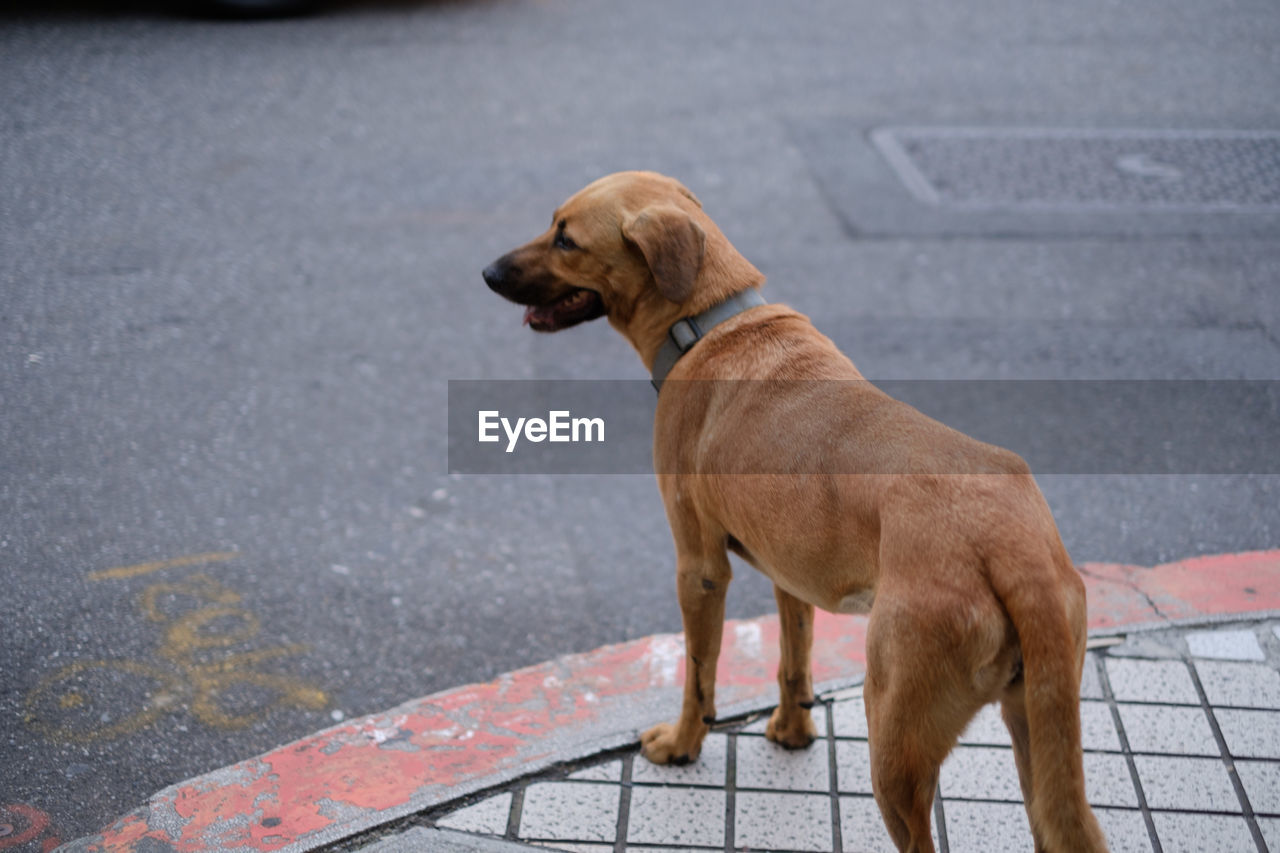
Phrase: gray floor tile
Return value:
(485, 816)
(709, 769)
(422, 839)
(1090, 684)
(1250, 734)
(1270, 827)
(981, 773)
(1126, 831)
(786, 821)
(1261, 780)
(849, 718)
(608, 772)
(1107, 781)
(1249, 685)
(762, 763)
(1137, 680)
(1097, 728)
(570, 811)
(862, 829)
(676, 816)
(1155, 728)
(1202, 833)
(1225, 645)
(987, 827)
(1186, 783)
(987, 728)
(853, 766)
(572, 847)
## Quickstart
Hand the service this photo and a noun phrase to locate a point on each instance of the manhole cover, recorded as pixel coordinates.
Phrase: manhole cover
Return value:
(1062, 169)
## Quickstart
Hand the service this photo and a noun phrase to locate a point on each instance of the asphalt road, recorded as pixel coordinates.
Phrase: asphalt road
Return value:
(240, 262)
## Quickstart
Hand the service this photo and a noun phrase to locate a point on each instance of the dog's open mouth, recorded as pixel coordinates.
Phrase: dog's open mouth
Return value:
(577, 306)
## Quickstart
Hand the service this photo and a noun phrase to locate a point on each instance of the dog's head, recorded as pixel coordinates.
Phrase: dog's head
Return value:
(629, 244)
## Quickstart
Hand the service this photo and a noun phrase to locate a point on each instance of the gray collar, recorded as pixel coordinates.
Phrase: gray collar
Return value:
(687, 331)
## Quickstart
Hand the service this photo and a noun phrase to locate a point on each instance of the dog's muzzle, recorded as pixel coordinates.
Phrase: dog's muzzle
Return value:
(550, 305)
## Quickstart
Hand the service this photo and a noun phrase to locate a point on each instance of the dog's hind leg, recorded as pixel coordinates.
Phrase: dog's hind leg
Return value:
(917, 706)
(1013, 708)
(791, 724)
(1042, 707)
(701, 582)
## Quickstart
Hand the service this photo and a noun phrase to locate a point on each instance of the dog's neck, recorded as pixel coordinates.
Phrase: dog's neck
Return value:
(646, 322)
(685, 333)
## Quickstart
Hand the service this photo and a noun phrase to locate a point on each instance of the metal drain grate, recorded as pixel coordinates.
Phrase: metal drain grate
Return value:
(1065, 169)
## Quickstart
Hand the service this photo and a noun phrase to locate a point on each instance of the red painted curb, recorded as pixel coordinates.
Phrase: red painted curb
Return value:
(369, 771)
(1187, 590)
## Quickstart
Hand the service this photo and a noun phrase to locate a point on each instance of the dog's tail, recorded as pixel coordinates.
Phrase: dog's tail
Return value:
(1049, 615)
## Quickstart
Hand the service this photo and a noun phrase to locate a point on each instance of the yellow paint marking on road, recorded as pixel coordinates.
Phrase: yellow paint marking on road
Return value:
(121, 572)
(200, 587)
(202, 665)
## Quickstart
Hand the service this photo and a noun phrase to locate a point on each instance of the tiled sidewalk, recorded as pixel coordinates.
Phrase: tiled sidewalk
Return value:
(1182, 753)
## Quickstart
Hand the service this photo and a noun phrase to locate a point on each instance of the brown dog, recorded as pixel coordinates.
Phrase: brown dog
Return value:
(945, 541)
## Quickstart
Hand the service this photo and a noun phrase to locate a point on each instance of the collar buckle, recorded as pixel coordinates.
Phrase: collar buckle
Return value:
(687, 331)
(684, 333)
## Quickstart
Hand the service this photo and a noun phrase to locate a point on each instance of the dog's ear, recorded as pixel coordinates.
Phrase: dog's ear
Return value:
(672, 244)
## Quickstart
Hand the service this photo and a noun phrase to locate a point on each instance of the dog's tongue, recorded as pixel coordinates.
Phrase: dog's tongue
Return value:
(547, 314)
(532, 312)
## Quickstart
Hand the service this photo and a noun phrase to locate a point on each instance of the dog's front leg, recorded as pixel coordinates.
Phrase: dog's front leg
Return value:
(701, 585)
(791, 724)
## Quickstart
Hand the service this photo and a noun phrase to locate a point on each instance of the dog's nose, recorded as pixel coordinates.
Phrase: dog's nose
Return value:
(495, 273)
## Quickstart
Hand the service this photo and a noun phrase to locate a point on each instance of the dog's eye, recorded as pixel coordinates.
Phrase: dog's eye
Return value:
(563, 242)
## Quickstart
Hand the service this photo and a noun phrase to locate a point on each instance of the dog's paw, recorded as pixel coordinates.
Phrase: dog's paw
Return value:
(662, 745)
(794, 730)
